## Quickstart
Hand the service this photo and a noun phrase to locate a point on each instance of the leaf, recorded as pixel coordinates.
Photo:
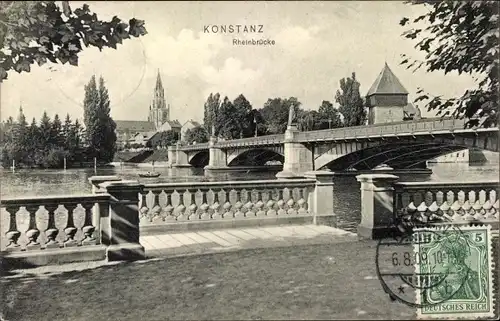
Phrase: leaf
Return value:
(73, 60)
(66, 8)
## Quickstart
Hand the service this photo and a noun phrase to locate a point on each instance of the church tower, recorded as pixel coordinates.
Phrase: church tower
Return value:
(159, 112)
(387, 99)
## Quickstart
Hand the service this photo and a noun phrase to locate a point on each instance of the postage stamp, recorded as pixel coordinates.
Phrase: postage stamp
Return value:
(460, 264)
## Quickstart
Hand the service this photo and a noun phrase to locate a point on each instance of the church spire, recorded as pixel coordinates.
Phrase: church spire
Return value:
(159, 85)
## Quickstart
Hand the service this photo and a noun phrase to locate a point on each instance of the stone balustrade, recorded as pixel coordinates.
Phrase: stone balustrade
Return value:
(386, 203)
(51, 222)
(445, 202)
(233, 200)
(107, 224)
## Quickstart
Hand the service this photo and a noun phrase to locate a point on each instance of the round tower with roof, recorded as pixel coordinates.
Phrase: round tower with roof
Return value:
(387, 100)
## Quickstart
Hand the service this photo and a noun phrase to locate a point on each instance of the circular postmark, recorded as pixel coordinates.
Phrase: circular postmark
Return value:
(419, 268)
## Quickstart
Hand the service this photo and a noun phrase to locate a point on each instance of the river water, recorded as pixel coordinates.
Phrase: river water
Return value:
(346, 189)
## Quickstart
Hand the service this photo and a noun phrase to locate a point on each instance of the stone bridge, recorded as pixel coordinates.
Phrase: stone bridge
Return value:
(400, 145)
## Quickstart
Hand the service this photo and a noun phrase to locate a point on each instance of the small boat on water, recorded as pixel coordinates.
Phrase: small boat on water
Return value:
(149, 174)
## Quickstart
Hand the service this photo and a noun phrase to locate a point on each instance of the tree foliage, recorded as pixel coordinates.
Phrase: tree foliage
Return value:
(275, 112)
(211, 109)
(163, 139)
(244, 116)
(329, 116)
(460, 36)
(197, 134)
(350, 101)
(227, 125)
(41, 145)
(99, 126)
(40, 31)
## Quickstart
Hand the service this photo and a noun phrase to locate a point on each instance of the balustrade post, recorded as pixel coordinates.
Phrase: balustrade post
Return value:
(321, 200)
(100, 213)
(124, 220)
(376, 205)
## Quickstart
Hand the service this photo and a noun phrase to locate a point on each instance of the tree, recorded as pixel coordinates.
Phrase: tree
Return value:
(90, 106)
(197, 134)
(460, 36)
(350, 101)
(329, 116)
(308, 120)
(56, 137)
(275, 112)
(66, 132)
(211, 109)
(33, 134)
(243, 116)
(99, 126)
(227, 123)
(106, 129)
(38, 31)
(45, 131)
(164, 139)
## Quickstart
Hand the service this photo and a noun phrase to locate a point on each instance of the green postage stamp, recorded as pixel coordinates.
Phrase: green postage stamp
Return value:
(458, 264)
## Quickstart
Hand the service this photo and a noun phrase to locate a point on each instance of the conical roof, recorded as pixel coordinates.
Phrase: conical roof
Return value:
(387, 83)
(159, 85)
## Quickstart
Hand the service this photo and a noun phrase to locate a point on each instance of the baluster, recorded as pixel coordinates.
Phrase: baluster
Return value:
(494, 205)
(70, 229)
(192, 206)
(13, 233)
(169, 209)
(155, 208)
(51, 231)
(204, 205)
(216, 205)
(270, 204)
(88, 228)
(260, 204)
(227, 205)
(181, 208)
(291, 202)
(249, 204)
(302, 202)
(281, 203)
(144, 207)
(238, 205)
(33, 232)
(455, 206)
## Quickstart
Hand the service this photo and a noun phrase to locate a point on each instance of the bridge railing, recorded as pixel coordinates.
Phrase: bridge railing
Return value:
(403, 127)
(385, 202)
(51, 223)
(194, 147)
(259, 140)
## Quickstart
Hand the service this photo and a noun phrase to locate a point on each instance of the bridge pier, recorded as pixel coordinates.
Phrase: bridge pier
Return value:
(298, 158)
(171, 155)
(181, 157)
(217, 157)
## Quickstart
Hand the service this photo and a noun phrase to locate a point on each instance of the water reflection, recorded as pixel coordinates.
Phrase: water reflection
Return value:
(346, 199)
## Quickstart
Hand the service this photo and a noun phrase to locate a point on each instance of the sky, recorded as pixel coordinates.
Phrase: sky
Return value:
(316, 44)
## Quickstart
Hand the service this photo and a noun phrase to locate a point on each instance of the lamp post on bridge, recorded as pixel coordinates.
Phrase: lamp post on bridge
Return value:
(255, 122)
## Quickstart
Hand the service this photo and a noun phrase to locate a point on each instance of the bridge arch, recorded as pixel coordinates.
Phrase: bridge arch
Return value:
(398, 155)
(255, 156)
(199, 159)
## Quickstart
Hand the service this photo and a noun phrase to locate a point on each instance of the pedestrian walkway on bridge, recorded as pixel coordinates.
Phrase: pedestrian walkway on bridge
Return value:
(223, 240)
